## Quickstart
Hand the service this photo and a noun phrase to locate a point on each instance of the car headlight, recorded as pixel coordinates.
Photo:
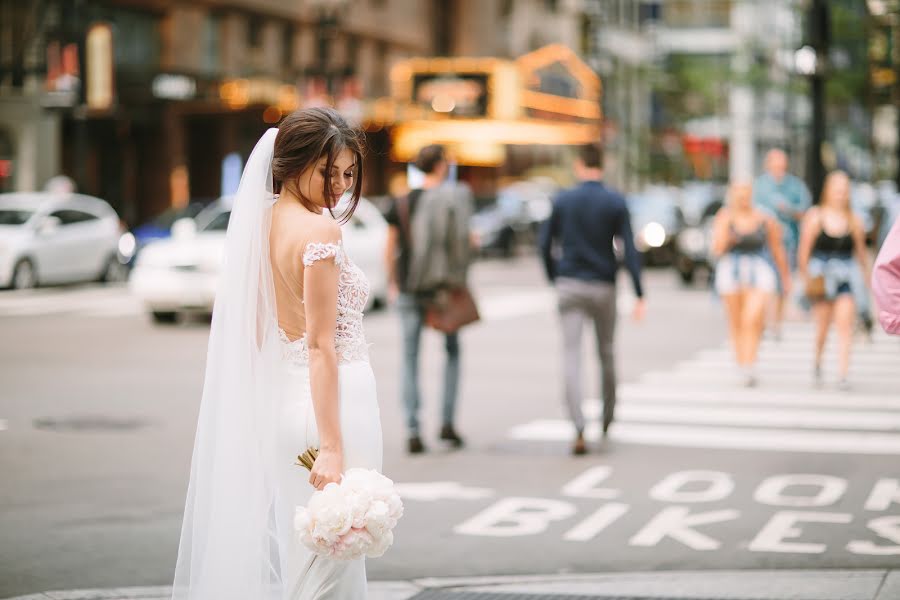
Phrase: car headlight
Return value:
(654, 235)
(692, 240)
(127, 245)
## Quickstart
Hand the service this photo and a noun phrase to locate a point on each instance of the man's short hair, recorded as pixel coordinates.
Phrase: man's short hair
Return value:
(429, 158)
(591, 155)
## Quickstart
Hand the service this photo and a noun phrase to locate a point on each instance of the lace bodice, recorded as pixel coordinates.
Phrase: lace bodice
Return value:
(353, 295)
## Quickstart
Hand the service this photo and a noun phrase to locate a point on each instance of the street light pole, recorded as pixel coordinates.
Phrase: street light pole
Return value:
(818, 34)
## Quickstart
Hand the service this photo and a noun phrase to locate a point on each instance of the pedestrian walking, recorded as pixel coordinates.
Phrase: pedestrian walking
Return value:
(886, 281)
(746, 241)
(787, 198)
(428, 250)
(832, 260)
(576, 244)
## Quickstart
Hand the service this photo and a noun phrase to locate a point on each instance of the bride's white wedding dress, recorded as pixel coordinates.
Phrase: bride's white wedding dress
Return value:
(256, 414)
(304, 575)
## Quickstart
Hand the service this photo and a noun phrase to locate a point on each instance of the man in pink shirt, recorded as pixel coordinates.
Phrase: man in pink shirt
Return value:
(886, 281)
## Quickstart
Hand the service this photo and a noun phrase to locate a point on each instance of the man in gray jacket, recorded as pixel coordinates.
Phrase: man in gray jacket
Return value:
(428, 249)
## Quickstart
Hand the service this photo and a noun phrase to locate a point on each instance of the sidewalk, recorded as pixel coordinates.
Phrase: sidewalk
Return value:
(831, 584)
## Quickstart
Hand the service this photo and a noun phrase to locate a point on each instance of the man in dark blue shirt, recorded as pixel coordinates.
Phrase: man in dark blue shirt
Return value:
(577, 247)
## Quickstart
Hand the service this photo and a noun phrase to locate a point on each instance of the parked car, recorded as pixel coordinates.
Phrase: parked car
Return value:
(866, 203)
(159, 228)
(655, 220)
(51, 238)
(493, 228)
(699, 204)
(513, 219)
(180, 274)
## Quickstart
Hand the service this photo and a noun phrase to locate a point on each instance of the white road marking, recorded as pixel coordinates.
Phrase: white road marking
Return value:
(3, 426)
(527, 301)
(661, 394)
(441, 490)
(700, 403)
(761, 417)
(885, 378)
(90, 301)
(735, 438)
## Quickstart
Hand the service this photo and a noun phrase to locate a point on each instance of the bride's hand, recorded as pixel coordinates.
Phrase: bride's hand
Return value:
(328, 468)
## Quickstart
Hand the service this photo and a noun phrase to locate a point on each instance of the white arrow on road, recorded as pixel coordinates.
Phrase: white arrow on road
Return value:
(441, 490)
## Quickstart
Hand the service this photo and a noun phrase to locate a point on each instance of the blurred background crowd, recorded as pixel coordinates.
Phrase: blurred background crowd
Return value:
(147, 109)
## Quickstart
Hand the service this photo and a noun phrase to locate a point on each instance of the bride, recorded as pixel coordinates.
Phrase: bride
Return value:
(287, 369)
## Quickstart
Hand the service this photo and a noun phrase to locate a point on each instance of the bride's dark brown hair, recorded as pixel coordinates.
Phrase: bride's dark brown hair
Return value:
(305, 136)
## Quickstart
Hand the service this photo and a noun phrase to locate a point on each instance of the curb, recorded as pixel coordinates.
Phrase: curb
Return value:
(818, 584)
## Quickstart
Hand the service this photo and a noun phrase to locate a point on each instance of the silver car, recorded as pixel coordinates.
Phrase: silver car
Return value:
(48, 238)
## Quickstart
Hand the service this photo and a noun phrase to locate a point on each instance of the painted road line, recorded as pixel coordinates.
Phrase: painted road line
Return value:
(735, 438)
(501, 307)
(759, 417)
(861, 367)
(859, 351)
(511, 306)
(3, 426)
(800, 377)
(728, 395)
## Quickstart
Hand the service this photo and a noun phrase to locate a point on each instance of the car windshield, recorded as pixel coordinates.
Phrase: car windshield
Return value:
(165, 219)
(219, 222)
(14, 216)
(650, 204)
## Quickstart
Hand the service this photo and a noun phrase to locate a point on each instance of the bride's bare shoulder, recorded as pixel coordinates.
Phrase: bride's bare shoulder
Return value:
(322, 228)
(301, 226)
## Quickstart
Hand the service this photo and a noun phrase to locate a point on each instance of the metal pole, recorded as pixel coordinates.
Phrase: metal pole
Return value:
(79, 112)
(818, 34)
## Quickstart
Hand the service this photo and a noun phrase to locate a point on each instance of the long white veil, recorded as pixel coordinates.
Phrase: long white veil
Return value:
(229, 539)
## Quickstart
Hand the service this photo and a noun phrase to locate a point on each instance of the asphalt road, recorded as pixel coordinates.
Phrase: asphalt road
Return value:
(98, 409)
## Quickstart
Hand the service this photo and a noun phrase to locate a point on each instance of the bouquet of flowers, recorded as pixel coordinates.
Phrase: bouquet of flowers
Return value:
(352, 519)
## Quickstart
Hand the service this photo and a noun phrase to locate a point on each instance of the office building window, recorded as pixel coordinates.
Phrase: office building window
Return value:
(254, 31)
(136, 42)
(697, 13)
(649, 12)
(287, 46)
(212, 43)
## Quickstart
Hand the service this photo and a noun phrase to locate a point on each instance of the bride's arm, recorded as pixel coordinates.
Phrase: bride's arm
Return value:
(320, 292)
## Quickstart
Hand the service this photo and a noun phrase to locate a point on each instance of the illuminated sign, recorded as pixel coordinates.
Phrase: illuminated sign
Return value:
(457, 94)
(99, 50)
(174, 87)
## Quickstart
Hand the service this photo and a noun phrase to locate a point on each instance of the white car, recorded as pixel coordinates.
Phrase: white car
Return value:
(181, 274)
(48, 238)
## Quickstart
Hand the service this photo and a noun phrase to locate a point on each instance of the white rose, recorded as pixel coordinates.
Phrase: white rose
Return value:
(380, 545)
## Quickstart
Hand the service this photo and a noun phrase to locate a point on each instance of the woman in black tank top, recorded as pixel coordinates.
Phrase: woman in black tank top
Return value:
(833, 263)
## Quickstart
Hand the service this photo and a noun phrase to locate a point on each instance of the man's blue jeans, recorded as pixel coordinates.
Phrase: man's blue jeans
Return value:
(412, 318)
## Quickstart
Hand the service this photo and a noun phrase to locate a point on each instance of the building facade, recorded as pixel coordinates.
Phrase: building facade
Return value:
(696, 89)
(141, 102)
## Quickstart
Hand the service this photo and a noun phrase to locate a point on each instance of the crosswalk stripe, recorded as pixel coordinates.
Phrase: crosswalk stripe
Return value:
(791, 378)
(761, 417)
(700, 402)
(734, 438)
(666, 394)
(857, 365)
(886, 356)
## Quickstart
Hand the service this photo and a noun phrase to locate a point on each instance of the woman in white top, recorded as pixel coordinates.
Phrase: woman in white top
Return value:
(746, 241)
(287, 369)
